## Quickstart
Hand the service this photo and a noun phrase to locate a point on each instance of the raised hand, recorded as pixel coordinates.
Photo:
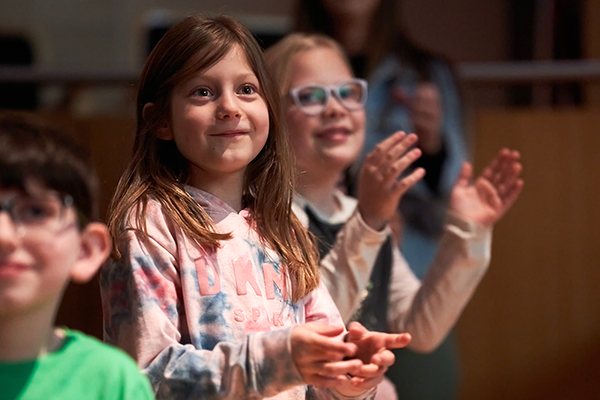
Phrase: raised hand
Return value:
(487, 199)
(379, 183)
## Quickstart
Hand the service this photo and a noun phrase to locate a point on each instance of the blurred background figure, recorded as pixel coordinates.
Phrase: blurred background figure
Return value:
(413, 90)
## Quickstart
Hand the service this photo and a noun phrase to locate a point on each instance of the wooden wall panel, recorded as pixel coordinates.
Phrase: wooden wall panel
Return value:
(535, 319)
(591, 46)
(109, 140)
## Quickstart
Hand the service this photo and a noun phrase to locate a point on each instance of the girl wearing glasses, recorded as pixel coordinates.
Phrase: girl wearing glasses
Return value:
(361, 265)
(414, 90)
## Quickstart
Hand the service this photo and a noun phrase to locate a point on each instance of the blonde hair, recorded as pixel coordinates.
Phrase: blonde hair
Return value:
(278, 56)
(159, 170)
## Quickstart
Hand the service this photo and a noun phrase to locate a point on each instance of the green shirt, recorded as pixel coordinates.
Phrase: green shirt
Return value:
(83, 368)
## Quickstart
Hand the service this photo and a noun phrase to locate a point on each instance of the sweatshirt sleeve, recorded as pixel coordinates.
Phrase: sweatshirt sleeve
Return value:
(429, 309)
(252, 369)
(346, 269)
(143, 314)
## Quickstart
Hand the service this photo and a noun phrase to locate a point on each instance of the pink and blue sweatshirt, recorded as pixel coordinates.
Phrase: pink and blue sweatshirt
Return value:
(209, 325)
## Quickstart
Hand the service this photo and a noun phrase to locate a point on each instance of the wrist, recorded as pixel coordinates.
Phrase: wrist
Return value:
(355, 394)
(376, 224)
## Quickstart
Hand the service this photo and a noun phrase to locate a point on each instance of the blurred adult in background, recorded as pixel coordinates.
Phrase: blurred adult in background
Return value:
(413, 90)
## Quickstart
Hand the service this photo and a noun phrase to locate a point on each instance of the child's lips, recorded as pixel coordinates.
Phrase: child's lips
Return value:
(232, 133)
(334, 133)
(8, 268)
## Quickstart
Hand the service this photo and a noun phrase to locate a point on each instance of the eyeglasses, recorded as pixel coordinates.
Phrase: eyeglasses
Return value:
(35, 215)
(313, 99)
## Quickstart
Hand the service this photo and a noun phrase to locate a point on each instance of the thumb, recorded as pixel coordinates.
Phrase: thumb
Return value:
(465, 174)
(398, 341)
(356, 331)
(327, 330)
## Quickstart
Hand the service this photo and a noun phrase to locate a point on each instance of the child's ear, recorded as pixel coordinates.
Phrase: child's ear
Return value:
(164, 131)
(95, 248)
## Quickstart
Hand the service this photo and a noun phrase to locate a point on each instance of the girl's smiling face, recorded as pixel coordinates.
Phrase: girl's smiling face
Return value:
(219, 120)
(332, 139)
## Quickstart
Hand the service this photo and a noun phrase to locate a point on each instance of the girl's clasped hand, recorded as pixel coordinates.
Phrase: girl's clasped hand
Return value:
(351, 364)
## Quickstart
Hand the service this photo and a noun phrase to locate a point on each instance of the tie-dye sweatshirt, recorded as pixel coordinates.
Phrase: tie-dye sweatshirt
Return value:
(209, 325)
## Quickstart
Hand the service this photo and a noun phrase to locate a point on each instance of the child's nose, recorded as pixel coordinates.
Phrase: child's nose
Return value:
(9, 233)
(334, 107)
(228, 107)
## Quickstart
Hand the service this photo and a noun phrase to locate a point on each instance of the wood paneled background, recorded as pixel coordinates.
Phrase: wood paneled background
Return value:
(532, 331)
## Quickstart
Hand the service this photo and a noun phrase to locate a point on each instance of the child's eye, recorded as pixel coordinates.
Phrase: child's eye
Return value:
(312, 96)
(247, 90)
(35, 211)
(202, 92)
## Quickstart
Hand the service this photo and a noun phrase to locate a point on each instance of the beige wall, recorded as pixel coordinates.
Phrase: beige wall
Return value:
(109, 34)
(106, 33)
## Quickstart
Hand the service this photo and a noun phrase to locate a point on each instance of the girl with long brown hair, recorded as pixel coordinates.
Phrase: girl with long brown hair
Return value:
(214, 284)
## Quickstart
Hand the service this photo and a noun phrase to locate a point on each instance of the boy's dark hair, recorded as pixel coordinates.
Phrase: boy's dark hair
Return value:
(33, 150)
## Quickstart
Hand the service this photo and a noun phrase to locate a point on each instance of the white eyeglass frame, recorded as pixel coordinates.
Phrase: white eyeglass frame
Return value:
(329, 91)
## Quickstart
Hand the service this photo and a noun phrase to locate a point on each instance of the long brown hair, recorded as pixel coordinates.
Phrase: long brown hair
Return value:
(159, 170)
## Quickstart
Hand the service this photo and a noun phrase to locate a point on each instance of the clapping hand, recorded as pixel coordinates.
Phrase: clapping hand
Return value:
(488, 198)
(373, 350)
(380, 185)
(351, 366)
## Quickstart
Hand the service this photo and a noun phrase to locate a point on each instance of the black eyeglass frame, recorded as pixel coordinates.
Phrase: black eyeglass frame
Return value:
(66, 202)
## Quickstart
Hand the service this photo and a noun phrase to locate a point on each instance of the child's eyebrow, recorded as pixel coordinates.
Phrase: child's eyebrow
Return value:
(248, 77)
(207, 78)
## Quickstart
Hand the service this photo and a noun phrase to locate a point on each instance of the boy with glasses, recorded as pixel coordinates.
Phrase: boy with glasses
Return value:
(48, 236)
